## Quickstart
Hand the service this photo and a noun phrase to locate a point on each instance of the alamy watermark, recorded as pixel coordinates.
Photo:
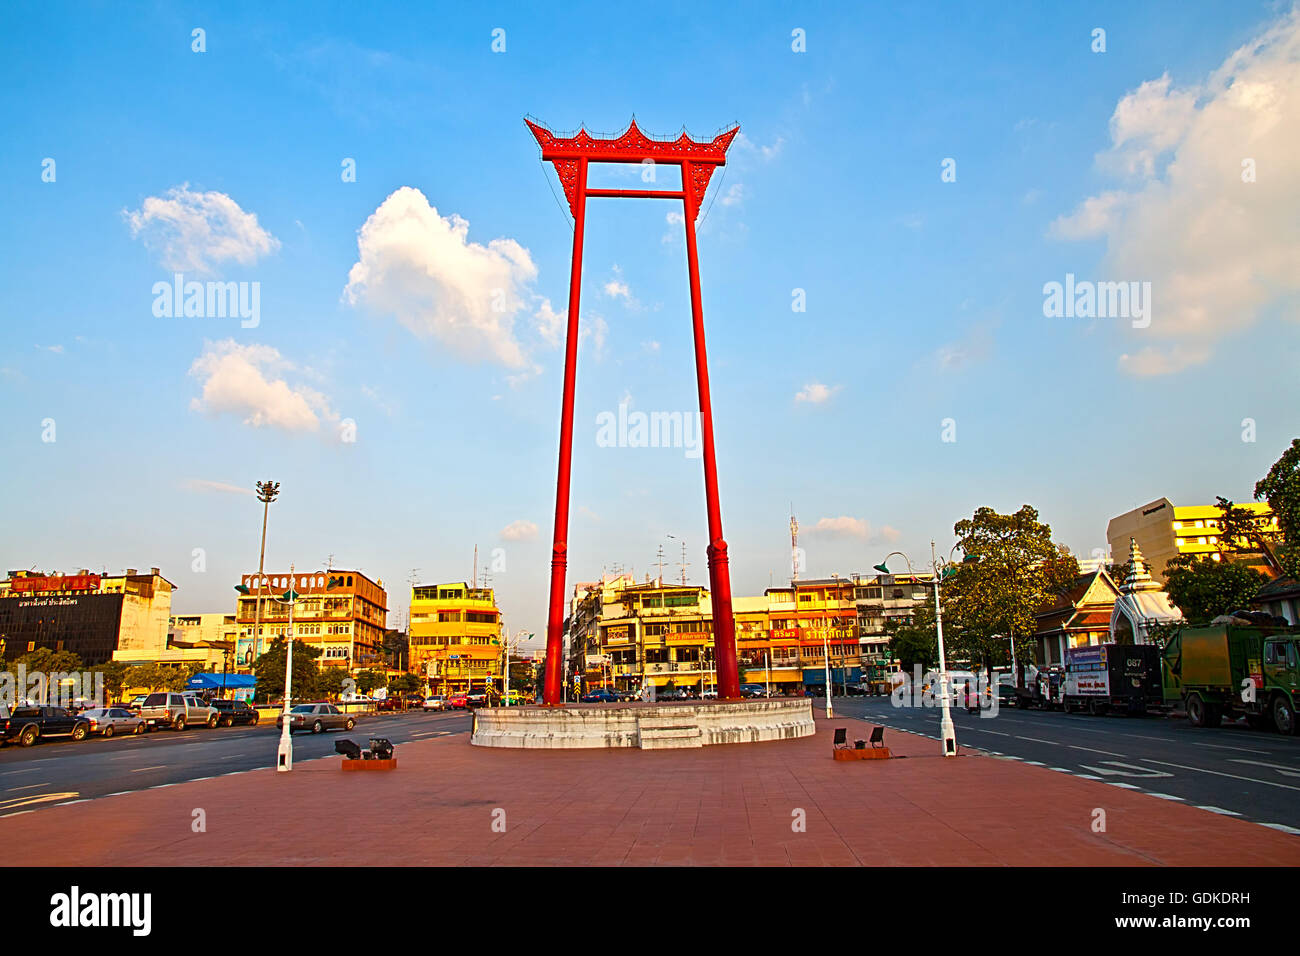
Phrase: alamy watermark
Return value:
(649, 430)
(19, 688)
(925, 690)
(208, 300)
(1085, 299)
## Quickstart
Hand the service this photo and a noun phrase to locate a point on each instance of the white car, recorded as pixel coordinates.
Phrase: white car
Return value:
(436, 702)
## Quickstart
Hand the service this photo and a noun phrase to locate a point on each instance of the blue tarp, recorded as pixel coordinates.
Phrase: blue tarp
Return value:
(214, 682)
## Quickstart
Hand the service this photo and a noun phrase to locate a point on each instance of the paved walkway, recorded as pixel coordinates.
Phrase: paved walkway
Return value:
(448, 802)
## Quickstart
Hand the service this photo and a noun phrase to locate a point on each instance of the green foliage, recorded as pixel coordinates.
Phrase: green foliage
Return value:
(1018, 567)
(329, 682)
(404, 684)
(915, 640)
(115, 674)
(47, 661)
(270, 667)
(1203, 589)
(368, 680)
(1281, 489)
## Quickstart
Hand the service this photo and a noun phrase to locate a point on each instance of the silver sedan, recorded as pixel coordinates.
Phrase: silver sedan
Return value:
(113, 720)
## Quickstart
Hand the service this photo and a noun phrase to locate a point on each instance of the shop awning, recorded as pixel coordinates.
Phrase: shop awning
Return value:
(217, 681)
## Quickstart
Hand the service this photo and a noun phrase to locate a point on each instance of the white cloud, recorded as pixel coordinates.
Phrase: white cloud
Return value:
(816, 393)
(202, 484)
(549, 323)
(421, 268)
(597, 329)
(843, 527)
(520, 530)
(615, 289)
(242, 380)
(195, 231)
(1218, 251)
(734, 195)
(743, 142)
(56, 349)
(974, 347)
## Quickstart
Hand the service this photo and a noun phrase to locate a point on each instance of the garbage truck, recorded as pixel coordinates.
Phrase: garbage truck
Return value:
(1124, 678)
(1224, 670)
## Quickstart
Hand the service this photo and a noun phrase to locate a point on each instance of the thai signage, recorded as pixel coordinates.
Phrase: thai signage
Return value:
(72, 582)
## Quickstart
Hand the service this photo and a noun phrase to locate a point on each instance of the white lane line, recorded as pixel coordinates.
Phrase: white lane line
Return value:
(1280, 826)
(1287, 771)
(1165, 796)
(983, 731)
(1219, 773)
(1060, 770)
(1036, 740)
(1221, 811)
(18, 814)
(161, 786)
(1035, 763)
(1124, 786)
(197, 779)
(232, 757)
(120, 793)
(1087, 776)
(161, 766)
(1094, 751)
(28, 770)
(68, 803)
(1245, 750)
(28, 787)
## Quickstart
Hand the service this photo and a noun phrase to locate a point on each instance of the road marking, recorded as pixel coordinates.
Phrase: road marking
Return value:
(120, 793)
(28, 787)
(161, 786)
(1164, 796)
(161, 766)
(28, 770)
(18, 814)
(1220, 810)
(1036, 740)
(1125, 786)
(1245, 750)
(232, 757)
(1280, 826)
(424, 733)
(1094, 751)
(1219, 773)
(1060, 770)
(983, 731)
(36, 798)
(197, 779)
(1285, 771)
(1035, 763)
(68, 803)
(1128, 771)
(1087, 776)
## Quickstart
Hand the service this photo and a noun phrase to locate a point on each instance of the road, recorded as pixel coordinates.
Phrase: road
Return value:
(61, 771)
(1231, 769)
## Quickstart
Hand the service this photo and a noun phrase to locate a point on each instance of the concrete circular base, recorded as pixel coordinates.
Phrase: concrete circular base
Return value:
(647, 726)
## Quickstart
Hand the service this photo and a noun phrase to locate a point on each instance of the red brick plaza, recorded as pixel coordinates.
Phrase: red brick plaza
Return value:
(448, 802)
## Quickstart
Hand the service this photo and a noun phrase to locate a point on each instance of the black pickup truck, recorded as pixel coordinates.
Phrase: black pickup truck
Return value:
(28, 724)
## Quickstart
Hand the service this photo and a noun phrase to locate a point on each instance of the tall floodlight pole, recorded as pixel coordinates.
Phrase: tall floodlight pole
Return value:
(570, 155)
(266, 493)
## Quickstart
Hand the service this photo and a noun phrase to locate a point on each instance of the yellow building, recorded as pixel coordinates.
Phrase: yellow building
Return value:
(1163, 530)
(455, 637)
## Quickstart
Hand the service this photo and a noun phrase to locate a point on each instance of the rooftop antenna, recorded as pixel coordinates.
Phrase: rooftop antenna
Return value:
(794, 546)
(684, 564)
(474, 576)
(660, 562)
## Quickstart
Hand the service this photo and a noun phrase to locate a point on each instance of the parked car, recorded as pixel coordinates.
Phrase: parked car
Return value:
(316, 717)
(600, 695)
(231, 712)
(27, 725)
(476, 698)
(113, 720)
(177, 711)
(436, 702)
(458, 701)
(134, 703)
(626, 696)
(753, 690)
(673, 693)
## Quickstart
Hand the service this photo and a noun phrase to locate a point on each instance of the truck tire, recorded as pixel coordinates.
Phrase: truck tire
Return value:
(1196, 710)
(28, 736)
(1067, 706)
(213, 721)
(180, 723)
(79, 732)
(1283, 715)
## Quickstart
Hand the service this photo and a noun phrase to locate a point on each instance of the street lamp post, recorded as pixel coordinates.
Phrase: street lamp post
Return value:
(947, 731)
(284, 761)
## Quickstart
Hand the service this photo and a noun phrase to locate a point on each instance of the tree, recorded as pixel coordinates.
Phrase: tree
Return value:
(404, 684)
(115, 675)
(330, 681)
(149, 676)
(269, 669)
(914, 641)
(368, 680)
(1203, 588)
(49, 661)
(1281, 489)
(1012, 567)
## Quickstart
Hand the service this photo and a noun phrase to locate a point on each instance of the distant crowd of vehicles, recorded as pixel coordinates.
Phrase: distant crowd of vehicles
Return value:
(1234, 668)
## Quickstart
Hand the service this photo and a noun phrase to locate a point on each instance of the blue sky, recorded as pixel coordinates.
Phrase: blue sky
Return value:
(924, 297)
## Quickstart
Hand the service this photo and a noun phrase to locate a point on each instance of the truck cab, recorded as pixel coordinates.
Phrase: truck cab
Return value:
(1228, 670)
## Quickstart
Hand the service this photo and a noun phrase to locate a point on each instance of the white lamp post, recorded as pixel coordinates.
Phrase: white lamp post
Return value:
(947, 732)
(284, 761)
